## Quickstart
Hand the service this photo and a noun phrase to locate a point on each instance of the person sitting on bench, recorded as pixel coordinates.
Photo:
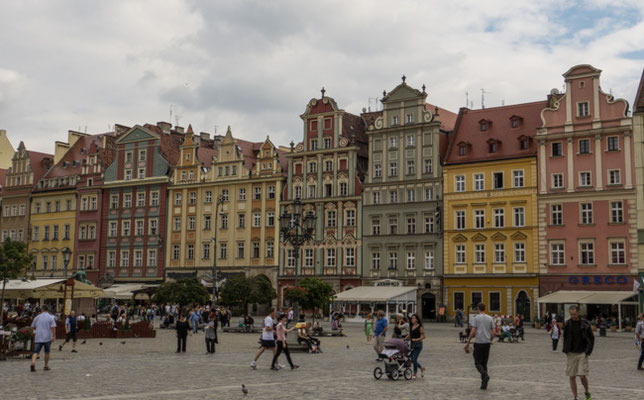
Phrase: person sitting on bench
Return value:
(248, 323)
(304, 336)
(505, 332)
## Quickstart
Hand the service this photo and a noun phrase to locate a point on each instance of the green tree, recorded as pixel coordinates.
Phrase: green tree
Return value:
(13, 259)
(242, 291)
(183, 292)
(311, 294)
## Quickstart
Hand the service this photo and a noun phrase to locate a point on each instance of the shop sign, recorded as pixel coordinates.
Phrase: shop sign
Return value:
(388, 282)
(598, 280)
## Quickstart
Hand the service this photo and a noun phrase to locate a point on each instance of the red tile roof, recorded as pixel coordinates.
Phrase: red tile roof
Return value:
(447, 118)
(468, 133)
(639, 97)
(40, 163)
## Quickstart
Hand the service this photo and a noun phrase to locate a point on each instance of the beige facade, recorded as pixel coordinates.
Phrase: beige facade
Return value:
(249, 178)
(6, 150)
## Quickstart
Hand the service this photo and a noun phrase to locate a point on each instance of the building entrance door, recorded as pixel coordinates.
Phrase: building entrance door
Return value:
(522, 305)
(429, 306)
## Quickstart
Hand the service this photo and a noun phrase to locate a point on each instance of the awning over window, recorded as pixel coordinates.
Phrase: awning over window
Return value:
(377, 294)
(588, 297)
(48, 289)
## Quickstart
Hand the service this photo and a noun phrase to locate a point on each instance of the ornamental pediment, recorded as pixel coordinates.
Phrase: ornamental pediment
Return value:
(498, 237)
(459, 238)
(479, 238)
(518, 236)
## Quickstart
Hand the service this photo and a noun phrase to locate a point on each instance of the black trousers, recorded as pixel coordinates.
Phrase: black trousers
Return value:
(281, 348)
(210, 345)
(639, 362)
(181, 343)
(481, 355)
(554, 344)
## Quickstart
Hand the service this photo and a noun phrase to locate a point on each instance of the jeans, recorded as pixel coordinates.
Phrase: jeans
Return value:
(281, 348)
(639, 363)
(418, 347)
(481, 356)
(554, 344)
(181, 343)
(210, 345)
(195, 327)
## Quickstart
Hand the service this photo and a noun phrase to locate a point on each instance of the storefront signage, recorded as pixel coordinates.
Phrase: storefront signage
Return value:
(388, 282)
(597, 280)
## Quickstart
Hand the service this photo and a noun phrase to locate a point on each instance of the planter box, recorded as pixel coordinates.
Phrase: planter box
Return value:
(613, 328)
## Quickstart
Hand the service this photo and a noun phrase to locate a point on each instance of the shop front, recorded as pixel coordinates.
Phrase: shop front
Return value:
(502, 295)
(598, 295)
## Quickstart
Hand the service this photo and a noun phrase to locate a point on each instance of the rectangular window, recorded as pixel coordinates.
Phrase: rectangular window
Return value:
(476, 297)
(498, 180)
(429, 194)
(393, 142)
(519, 252)
(429, 259)
(140, 173)
(140, 199)
(519, 216)
(313, 166)
(479, 219)
(224, 194)
(614, 177)
(411, 225)
(84, 203)
(479, 182)
(557, 181)
(127, 200)
(377, 170)
(125, 258)
(327, 143)
(556, 149)
(479, 253)
(255, 250)
(45, 261)
(393, 169)
(393, 226)
(175, 251)
(54, 262)
(154, 199)
(55, 231)
(459, 181)
(495, 301)
(125, 228)
(428, 166)
(393, 196)
(330, 219)
(411, 260)
(138, 258)
(34, 234)
(584, 179)
(375, 226)
(350, 218)
(257, 192)
(257, 219)
(587, 253)
(375, 260)
(270, 249)
(241, 220)
(393, 260)
(376, 197)
(152, 257)
(128, 174)
(586, 213)
(298, 192)
(556, 214)
(459, 301)
(312, 191)
(411, 195)
(616, 212)
(617, 253)
(583, 109)
(67, 230)
(224, 221)
(111, 259)
(460, 219)
(290, 258)
(411, 167)
(191, 223)
(328, 165)
(429, 224)
(177, 199)
(350, 257)
(153, 227)
(460, 254)
(343, 188)
(177, 223)
(223, 250)
(308, 258)
(192, 198)
(45, 235)
(240, 250)
(612, 143)
(518, 180)
(330, 257)
(499, 253)
(499, 217)
(584, 146)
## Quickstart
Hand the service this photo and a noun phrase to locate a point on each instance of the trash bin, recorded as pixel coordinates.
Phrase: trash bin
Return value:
(602, 329)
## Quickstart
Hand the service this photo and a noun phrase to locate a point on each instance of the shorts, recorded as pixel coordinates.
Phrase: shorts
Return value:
(38, 346)
(577, 364)
(268, 343)
(70, 336)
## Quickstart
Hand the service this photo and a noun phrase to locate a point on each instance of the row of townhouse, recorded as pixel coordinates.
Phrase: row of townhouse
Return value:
(502, 205)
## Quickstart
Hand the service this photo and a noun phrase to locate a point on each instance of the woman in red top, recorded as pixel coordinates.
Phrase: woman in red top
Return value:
(280, 332)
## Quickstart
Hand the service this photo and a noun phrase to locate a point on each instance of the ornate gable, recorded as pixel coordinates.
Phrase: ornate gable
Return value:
(459, 238)
(518, 236)
(497, 237)
(136, 134)
(479, 238)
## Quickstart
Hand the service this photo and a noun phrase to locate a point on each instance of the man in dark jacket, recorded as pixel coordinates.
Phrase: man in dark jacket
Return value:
(578, 342)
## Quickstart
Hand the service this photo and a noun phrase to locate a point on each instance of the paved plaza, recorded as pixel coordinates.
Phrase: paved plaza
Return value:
(150, 369)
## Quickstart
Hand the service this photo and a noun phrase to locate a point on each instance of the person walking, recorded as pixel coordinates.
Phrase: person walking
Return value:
(211, 333)
(268, 337)
(555, 334)
(281, 332)
(578, 343)
(71, 328)
(182, 327)
(194, 320)
(45, 334)
(481, 330)
(416, 337)
(368, 328)
(639, 334)
(289, 318)
(380, 334)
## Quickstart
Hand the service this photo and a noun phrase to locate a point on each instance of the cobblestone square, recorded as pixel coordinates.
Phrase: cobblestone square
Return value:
(150, 369)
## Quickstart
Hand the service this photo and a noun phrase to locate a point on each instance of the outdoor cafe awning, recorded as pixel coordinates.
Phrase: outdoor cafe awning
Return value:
(377, 294)
(588, 297)
(122, 291)
(48, 289)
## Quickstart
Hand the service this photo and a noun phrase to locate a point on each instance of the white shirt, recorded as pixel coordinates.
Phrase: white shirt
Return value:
(268, 335)
(290, 314)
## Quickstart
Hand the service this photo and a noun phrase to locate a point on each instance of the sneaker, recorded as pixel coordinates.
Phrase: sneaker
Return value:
(275, 369)
(280, 366)
(46, 369)
(33, 368)
(60, 348)
(253, 365)
(295, 366)
(74, 351)
(588, 397)
(484, 382)
(378, 359)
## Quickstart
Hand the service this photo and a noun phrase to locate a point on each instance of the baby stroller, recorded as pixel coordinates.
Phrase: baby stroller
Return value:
(397, 360)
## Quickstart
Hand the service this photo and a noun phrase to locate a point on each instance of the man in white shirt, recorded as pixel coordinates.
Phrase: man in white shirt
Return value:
(45, 326)
(268, 337)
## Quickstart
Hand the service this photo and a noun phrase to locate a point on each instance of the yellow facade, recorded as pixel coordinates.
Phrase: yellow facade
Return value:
(491, 234)
(52, 227)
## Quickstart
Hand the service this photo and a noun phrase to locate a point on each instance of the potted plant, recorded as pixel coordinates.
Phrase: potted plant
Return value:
(628, 324)
(537, 323)
(613, 325)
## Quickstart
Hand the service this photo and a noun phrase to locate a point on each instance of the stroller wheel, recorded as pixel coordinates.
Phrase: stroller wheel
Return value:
(408, 374)
(377, 373)
(395, 375)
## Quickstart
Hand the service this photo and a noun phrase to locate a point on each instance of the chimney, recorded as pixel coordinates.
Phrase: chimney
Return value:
(179, 129)
(204, 135)
(165, 126)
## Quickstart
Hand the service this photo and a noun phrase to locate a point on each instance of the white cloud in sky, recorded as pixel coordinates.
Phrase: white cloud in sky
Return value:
(255, 64)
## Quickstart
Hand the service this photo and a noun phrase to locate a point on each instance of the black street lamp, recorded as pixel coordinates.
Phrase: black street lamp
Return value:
(218, 202)
(67, 255)
(297, 229)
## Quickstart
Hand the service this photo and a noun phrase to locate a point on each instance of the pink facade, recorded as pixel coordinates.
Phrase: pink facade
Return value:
(586, 181)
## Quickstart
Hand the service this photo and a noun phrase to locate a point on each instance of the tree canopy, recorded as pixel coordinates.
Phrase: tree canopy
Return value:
(13, 259)
(183, 292)
(312, 293)
(239, 290)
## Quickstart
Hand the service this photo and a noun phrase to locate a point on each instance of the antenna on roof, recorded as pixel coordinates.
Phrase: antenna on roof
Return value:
(170, 119)
(483, 98)
(85, 128)
(467, 99)
(502, 102)
(216, 129)
(177, 118)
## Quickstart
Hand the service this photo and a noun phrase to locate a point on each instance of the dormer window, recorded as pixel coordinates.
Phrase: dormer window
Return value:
(515, 121)
(492, 147)
(462, 149)
(524, 142)
(484, 124)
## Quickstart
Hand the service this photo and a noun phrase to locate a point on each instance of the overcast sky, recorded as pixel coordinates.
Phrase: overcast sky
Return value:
(255, 64)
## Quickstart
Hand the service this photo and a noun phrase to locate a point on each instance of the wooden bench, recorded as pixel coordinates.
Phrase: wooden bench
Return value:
(237, 329)
(293, 345)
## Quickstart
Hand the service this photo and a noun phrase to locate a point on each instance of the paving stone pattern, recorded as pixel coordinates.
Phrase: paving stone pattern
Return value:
(150, 369)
